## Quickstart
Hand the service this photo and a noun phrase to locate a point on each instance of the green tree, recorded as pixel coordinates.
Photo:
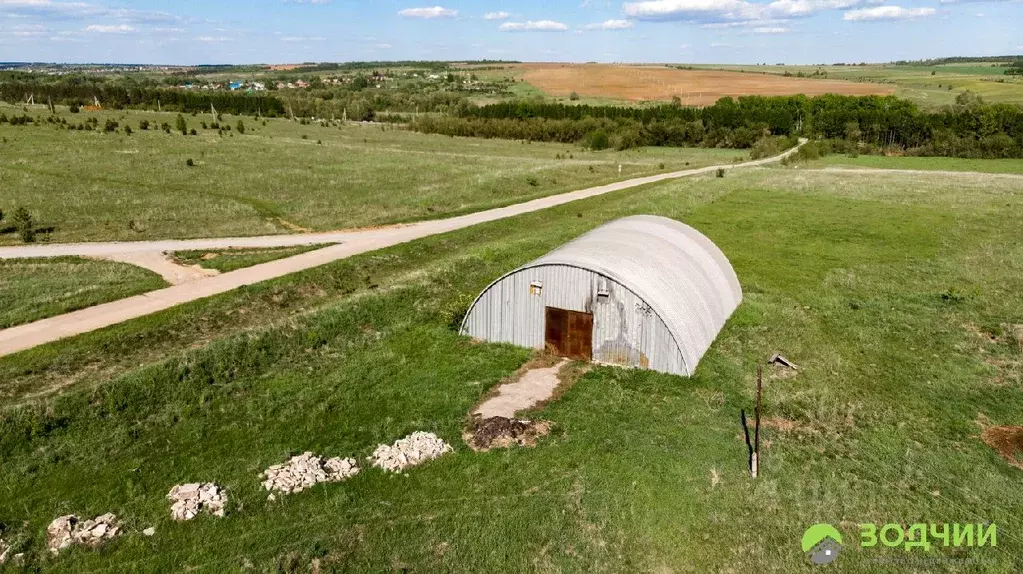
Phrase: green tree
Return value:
(181, 125)
(573, 97)
(241, 127)
(360, 83)
(969, 99)
(24, 225)
(852, 132)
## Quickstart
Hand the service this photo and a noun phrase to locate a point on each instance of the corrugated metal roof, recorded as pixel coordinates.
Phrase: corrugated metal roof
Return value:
(676, 270)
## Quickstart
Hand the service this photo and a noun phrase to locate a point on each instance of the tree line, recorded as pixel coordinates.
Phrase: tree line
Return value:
(127, 95)
(970, 128)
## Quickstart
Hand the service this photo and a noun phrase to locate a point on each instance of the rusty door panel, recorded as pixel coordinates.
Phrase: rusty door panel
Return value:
(569, 333)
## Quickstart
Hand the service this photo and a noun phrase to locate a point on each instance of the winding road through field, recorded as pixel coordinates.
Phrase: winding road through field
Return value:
(344, 244)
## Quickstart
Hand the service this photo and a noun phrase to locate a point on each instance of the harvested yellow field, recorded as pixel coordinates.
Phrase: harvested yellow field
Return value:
(695, 87)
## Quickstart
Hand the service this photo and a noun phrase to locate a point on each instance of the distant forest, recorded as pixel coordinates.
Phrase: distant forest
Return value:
(868, 124)
(968, 129)
(960, 60)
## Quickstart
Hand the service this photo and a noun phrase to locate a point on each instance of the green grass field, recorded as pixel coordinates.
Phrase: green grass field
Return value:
(226, 260)
(898, 296)
(925, 163)
(916, 83)
(33, 289)
(92, 186)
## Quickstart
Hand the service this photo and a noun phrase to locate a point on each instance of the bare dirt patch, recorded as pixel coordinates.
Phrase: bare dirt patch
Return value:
(531, 385)
(501, 432)
(542, 380)
(695, 87)
(1007, 442)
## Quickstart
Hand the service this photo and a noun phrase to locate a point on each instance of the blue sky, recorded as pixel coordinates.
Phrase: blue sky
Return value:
(699, 31)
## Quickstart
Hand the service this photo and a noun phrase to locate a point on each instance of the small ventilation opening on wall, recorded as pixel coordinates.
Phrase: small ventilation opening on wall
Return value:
(536, 288)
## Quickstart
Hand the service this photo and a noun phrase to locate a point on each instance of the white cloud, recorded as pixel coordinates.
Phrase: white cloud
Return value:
(496, 16)
(428, 13)
(77, 10)
(720, 45)
(745, 23)
(384, 46)
(887, 13)
(110, 29)
(307, 1)
(771, 30)
(537, 26)
(28, 30)
(302, 39)
(214, 39)
(610, 25)
(724, 11)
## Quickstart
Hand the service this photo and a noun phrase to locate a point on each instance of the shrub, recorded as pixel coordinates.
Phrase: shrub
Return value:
(127, 130)
(73, 109)
(193, 132)
(241, 127)
(532, 181)
(144, 125)
(189, 162)
(597, 140)
(721, 172)
(574, 97)
(181, 125)
(454, 311)
(660, 165)
(110, 126)
(24, 224)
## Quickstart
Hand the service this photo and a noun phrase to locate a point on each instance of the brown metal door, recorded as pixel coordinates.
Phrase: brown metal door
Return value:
(569, 333)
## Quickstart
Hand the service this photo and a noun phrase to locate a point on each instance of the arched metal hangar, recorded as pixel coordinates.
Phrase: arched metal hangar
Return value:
(641, 291)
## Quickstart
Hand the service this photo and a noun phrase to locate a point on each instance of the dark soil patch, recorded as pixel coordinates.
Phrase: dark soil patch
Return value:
(500, 432)
(1007, 442)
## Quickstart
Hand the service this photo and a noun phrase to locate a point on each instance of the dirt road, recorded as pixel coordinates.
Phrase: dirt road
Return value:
(347, 243)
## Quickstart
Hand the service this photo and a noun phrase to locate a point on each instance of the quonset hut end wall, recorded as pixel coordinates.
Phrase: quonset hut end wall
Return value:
(641, 291)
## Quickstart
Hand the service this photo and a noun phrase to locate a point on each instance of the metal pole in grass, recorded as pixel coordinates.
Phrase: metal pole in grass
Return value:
(754, 467)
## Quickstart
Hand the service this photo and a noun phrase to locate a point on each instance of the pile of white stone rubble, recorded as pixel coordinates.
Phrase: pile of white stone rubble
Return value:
(414, 449)
(5, 549)
(188, 500)
(68, 530)
(306, 470)
(299, 473)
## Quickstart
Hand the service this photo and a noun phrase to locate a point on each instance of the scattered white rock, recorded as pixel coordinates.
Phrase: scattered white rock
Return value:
(5, 550)
(306, 470)
(149, 531)
(68, 530)
(188, 500)
(414, 449)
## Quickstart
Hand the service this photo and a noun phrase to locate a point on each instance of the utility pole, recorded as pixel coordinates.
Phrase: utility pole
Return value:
(754, 466)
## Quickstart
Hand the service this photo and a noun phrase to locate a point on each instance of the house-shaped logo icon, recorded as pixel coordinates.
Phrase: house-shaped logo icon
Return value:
(822, 543)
